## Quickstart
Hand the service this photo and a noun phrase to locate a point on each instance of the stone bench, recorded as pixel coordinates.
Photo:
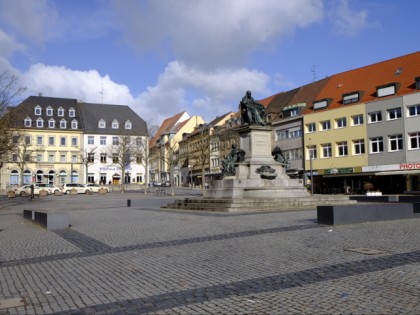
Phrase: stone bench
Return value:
(51, 220)
(369, 212)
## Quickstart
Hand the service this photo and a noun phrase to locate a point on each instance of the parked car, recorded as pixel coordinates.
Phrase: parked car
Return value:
(157, 184)
(166, 184)
(49, 187)
(95, 187)
(26, 190)
(80, 188)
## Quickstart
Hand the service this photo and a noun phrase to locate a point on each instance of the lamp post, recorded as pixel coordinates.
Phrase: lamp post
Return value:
(310, 167)
(190, 167)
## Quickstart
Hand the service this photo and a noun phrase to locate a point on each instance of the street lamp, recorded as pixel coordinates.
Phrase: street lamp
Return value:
(190, 167)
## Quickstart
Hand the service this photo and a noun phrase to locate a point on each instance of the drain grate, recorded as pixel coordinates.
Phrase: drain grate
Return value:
(365, 251)
(13, 302)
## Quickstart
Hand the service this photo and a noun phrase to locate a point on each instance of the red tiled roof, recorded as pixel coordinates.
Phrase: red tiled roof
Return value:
(368, 78)
(166, 127)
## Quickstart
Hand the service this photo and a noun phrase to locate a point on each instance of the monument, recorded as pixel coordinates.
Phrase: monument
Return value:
(254, 176)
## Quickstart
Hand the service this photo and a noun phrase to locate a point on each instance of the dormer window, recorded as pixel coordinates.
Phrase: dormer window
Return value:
(63, 124)
(386, 90)
(60, 112)
(417, 83)
(38, 110)
(40, 122)
(101, 124)
(49, 111)
(350, 98)
(28, 122)
(115, 124)
(320, 104)
(74, 124)
(72, 112)
(51, 123)
(128, 124)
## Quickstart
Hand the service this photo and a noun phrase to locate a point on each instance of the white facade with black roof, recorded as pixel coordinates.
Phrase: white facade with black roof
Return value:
(103, 125)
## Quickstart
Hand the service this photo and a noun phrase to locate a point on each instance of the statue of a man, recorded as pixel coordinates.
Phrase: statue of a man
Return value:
(252, 112)
(228, 163)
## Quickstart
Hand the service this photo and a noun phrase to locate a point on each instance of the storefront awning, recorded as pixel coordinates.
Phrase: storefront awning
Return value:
(401, 172)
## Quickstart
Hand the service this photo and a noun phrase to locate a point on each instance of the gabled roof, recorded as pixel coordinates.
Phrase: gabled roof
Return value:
(93, 113)
(220, 119)
(167, 127)
(402, 71)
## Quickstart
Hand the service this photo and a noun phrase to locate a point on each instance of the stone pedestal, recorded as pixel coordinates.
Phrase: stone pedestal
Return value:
(247, 183)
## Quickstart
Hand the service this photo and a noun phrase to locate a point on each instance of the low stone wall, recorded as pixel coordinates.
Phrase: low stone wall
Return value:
(50, 220)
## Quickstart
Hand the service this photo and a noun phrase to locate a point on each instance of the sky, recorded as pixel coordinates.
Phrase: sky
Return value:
(162, 57)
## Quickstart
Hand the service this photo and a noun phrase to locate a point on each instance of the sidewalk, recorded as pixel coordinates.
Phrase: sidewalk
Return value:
(147, 260)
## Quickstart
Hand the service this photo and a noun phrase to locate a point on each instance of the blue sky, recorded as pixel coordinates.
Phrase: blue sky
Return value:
(162, 57)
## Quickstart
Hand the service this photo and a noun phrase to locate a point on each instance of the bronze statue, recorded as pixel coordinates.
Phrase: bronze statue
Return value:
(252, 112)
(277, 153)
(228, 163)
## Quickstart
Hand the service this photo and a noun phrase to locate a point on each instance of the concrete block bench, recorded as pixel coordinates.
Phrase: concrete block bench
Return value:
(359, 213)
(51, 220)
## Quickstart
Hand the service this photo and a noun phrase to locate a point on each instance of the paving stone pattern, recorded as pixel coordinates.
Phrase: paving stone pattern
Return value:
(145, 260)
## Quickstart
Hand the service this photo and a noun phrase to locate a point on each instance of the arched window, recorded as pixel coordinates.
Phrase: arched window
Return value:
(38, 110)
(60, 111)
(51, 123)
(63, 124)
(72, 112)
(49, 111)
(74, 124)
(27, 177)
(28, 122)
(40, 122)
(14, 177)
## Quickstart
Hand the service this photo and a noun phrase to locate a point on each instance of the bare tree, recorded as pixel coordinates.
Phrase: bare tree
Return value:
(171, 159)
(87, 158)
(22, 153)
(201, 154)
(9, 91)
(123, 152)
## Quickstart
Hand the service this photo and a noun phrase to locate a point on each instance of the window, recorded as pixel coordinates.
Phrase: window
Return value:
(395, 143)
(74, 158)
(382, 91)
(49, 111)
(51, 157)
(115, 124)
(38, 157)
(310, 127)
(293, 154)
(357, 120)
(114, 140)
(394, 113)
(311, 152)
(28, 122)
(115, 158)
(358, 147)
(103, 157)
(38, 110)
(325, 125)
(63, 124)
(63, 141)
(350, 98)
(15, 139)
(293, 112)
(27, 140)
(295, 132)
(51, 123)
(102, 140)
(51, 140)
(72, 112)
(128, 125)
(139, 143)
(74, 124)
(283, 134)
(320, 104)
(139, 159)
(376, 145)
(14, 157)
(40, 123)
(91, 157)
(326, 150)
(39, 140)
(91, 140)
(375, 117)
(74, 141)
(60, 112)
(101, 123)
(27, 157)
(414, 110)
(414, 140)
(342, 149)
(417, 83)
(63, 158)
(341, 122)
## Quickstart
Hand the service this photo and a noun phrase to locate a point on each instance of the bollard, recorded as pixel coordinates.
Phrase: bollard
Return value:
(128, 203)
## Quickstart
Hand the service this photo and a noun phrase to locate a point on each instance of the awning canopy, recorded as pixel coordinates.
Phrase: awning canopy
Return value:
(401, 172)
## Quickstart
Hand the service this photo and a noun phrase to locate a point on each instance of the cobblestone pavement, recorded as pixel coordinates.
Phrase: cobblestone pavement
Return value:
(143, 259)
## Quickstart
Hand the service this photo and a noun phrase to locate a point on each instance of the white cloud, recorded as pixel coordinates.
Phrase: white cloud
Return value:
(85, 85)
(209, 93)
(347, 22)
(33, 20)
(213, 33)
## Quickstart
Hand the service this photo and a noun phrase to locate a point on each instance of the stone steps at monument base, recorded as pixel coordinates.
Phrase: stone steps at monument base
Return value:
(243, 205)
